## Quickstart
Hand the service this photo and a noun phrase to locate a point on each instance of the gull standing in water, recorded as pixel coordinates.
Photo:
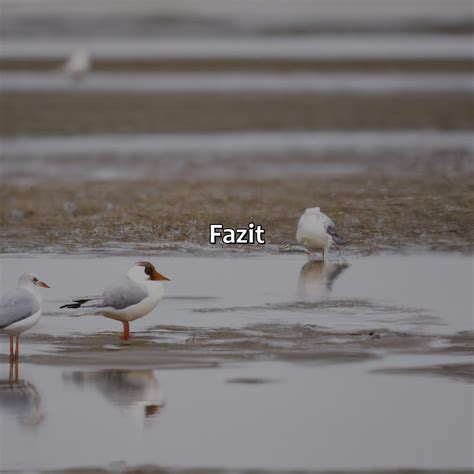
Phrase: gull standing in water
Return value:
(133, 296)
(21, 309)
(316, 231)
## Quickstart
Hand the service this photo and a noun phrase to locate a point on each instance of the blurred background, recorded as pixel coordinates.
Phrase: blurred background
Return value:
(127, 127)
(172, 111)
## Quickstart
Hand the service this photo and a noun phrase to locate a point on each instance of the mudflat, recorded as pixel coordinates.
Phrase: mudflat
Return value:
(49, 113)
(248, 64)
(374, 212)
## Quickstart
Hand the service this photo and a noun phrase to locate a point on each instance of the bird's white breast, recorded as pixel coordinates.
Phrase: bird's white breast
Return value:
(23, 325)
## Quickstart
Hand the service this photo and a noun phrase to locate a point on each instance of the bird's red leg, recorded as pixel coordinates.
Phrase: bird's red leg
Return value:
(126, 330)
(17, 351)
(11, 348)
(10, 379)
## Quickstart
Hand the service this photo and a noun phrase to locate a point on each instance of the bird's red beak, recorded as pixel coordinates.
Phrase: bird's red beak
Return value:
(42, 284)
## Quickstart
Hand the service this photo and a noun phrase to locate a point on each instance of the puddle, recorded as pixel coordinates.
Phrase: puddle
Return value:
(392, 292)
(307, 46)
(291, 361)
(239, 82)
(196, 418)
(242, 142)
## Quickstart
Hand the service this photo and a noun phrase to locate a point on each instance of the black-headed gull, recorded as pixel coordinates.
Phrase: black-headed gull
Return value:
(133, 296)
(21, 309)
(316, 231)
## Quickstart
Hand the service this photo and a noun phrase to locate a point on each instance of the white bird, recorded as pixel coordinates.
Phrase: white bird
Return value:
(78, 64)
(316, 231)
(133, 296)
(21, 309)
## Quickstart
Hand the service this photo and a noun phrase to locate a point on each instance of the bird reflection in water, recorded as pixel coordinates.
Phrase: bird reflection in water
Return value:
(317, 278)
(20, 398)
(136, 391)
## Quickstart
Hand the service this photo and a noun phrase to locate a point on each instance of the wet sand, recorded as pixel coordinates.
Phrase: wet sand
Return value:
(36, 113)
(248, 64)
(375, 212)
(457, 371)
(178, 347)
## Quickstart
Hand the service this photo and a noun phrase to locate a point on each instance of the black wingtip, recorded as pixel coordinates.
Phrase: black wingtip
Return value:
(71, 305)
(336, 239)
(76, 304)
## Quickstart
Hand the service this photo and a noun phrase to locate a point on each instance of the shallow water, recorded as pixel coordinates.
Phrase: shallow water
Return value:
(311, 46)
(250, 142)
(398, 293)
(289, 417)
(315, 397)
(207, 17)
(239, 82)
(265, 155)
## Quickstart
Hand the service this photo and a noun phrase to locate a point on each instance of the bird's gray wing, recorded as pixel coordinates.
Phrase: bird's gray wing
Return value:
(327, 220)
(330, 229)
(17, 305)
(124, 293)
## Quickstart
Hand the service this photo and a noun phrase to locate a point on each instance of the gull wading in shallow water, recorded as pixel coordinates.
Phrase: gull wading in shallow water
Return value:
(133, 296)
(21, 309)
(316, 231)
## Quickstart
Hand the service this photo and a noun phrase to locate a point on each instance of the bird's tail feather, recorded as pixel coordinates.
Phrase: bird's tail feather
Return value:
(79, 303)
(338, 241)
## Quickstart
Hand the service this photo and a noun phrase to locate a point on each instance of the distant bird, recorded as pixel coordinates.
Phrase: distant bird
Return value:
(133, 296)
(78, 64)
(316, 231)
(21, 309)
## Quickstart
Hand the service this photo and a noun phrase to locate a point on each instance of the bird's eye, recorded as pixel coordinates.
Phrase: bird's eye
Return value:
(35, 280)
